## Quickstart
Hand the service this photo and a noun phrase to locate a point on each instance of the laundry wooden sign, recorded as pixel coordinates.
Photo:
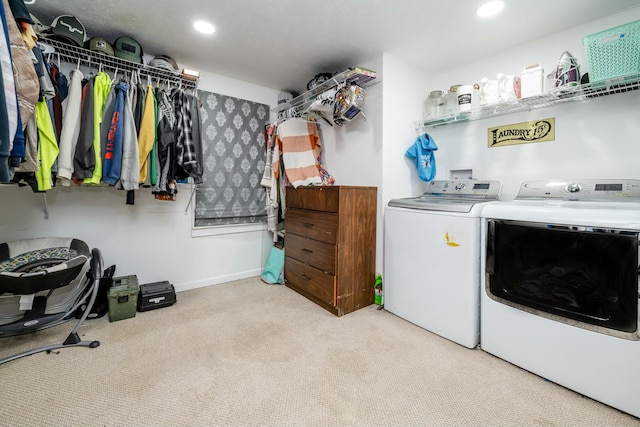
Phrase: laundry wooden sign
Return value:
(523, 133)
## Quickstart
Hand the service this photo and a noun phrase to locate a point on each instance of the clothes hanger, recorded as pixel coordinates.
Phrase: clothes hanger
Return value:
(133, 78)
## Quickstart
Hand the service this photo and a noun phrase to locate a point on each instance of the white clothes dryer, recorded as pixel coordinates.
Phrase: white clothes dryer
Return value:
(560, 285)
(432, 257)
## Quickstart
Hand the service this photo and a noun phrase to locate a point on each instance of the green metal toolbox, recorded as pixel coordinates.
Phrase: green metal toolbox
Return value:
(123, 298)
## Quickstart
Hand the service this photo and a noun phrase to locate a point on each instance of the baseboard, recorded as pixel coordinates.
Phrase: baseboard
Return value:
(216, 280)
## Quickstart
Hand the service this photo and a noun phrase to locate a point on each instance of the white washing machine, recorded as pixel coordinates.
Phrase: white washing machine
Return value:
(432, 257)
(560, 285)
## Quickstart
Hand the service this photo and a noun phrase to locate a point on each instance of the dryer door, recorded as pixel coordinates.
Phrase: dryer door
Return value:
(584, 276)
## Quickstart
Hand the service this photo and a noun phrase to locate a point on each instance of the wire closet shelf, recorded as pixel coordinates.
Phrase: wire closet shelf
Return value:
(553, 97)
(78, 55)
(357, 75)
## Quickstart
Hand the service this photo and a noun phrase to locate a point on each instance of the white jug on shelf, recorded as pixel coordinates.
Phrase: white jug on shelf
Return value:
(508, 87)
(489, 91)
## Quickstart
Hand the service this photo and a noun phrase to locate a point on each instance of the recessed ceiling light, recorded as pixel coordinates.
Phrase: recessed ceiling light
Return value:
(204, 27)
(490, 8)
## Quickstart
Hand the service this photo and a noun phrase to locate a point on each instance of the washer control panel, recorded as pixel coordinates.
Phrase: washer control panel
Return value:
(464, 187)
(582, 190)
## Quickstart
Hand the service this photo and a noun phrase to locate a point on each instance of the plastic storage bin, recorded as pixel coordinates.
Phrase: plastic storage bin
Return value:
(156, 295)
(614, 53)
(123, 298)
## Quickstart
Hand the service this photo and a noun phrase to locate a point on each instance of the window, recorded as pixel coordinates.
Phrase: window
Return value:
(233, 144)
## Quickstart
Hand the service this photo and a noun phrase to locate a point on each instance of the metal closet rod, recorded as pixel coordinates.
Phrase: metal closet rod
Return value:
(78, 55)
(171, 80)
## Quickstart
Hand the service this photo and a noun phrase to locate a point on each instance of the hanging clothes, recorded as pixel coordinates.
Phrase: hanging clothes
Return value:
(166, 145)
(8, 99)
(105, 127)
(146, 137)
(30, 163)
(47, 146)
(152, 177)
(270, 183)
(14, 16)
(25, 77)
(133, 89)
(61, 85)
(422, 151)
(84, 158)
(23, 41)
(18, 149)
(71, 108)
(102, 87)
(196, 136)
(138, 104)
(47, 90)
(301, 150)
(130, 168)
(54, 104)
(185, 147)
(112, 150)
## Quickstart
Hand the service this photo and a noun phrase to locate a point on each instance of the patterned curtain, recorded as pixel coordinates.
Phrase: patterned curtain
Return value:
(233, 139)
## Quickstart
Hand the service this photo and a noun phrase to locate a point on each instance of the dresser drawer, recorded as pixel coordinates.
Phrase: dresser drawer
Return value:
(309, 280)
(326, 199)
(317, 254)
(314, 225)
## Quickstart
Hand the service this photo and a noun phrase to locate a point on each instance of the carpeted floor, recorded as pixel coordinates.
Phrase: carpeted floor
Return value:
(249, 354)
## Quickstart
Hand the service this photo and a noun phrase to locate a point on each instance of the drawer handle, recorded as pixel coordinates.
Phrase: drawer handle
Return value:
(307, 250)
(305, 277)
(307, 225)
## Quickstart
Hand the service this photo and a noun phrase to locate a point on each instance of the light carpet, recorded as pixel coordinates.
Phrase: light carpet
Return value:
(246, 353)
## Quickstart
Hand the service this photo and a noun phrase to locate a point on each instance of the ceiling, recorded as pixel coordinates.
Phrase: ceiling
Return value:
(282, 44)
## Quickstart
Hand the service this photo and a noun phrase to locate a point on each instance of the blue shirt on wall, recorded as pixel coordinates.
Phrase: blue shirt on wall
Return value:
(422, 151)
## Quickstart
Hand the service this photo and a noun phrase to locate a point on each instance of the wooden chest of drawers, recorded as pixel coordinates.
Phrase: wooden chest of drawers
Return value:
(330, 245)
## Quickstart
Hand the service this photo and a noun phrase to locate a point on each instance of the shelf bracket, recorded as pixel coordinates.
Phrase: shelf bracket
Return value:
(194, 187)
(45, 207)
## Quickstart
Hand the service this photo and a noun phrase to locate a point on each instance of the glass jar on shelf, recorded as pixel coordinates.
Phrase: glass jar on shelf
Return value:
(433, 106)
(451, 101)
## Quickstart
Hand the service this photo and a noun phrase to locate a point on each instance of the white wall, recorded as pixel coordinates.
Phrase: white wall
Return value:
(596, 138)
(545, 51)
(403, 94)
(152, 239)
(353, 152)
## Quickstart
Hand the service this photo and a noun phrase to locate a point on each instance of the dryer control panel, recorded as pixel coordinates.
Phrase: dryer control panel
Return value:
(621, 190)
